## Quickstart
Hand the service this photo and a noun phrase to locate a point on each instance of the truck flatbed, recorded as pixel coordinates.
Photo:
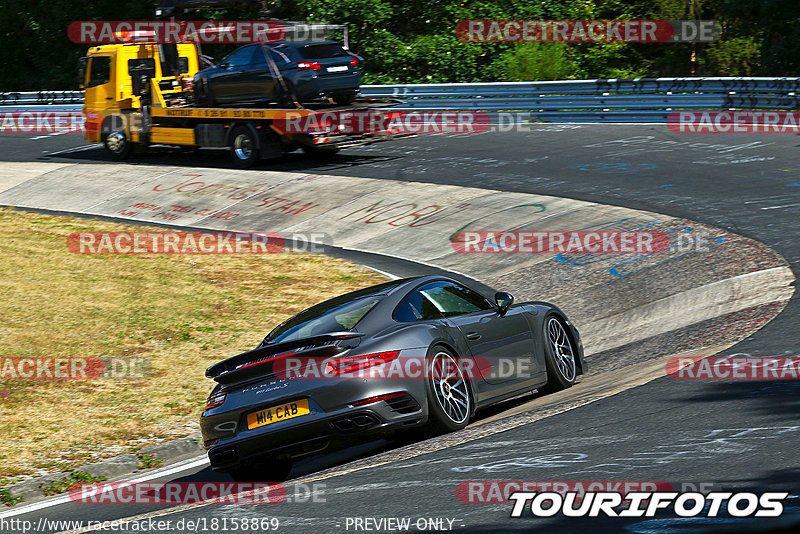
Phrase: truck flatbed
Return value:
(269, 112)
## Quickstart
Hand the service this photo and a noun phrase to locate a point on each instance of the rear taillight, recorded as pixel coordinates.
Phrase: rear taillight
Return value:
(378, 398)
(309, 65)
(354, 62)
(209, 442)
(355, 363)
(215, 400)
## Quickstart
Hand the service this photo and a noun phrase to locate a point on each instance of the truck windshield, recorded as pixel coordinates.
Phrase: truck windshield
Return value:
(330, 316)
(100, 71)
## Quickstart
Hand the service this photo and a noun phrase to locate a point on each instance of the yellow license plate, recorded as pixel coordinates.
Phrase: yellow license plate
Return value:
(277, 413)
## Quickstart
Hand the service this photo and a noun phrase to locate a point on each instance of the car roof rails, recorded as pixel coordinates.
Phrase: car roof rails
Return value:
(167, 7)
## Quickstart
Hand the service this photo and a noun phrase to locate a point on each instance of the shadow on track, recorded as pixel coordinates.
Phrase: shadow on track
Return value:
(771, 397)
(218, 159)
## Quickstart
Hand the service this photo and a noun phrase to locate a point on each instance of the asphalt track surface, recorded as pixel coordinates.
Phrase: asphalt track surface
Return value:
(738, 436)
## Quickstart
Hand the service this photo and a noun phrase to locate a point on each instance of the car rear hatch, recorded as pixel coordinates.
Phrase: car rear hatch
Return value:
(332, 58)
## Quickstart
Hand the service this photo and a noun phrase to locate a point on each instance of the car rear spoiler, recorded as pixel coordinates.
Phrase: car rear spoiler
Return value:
(247, 363)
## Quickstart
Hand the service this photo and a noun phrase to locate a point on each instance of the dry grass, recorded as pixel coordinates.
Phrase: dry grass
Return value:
(181, 313)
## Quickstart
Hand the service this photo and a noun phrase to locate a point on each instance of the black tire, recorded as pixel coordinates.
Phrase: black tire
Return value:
(117, 145)
(446, 414)
(344, 100)
(274, 470)
(560, 373)
(243, 147)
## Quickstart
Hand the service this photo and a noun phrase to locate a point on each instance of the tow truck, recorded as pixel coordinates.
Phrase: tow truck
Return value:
(139, 93)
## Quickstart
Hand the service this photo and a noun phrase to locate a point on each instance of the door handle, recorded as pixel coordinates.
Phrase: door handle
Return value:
(473, 336)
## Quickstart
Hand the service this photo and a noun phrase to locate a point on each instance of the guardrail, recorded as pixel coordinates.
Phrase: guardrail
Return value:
(630, 100)
(613, 100)
(41, 97)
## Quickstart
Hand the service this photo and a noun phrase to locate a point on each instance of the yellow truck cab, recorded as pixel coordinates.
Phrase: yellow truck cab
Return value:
(108, 83)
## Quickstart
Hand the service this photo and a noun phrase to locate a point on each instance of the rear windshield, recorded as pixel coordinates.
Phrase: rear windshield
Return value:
(324, 318)
(322, 51)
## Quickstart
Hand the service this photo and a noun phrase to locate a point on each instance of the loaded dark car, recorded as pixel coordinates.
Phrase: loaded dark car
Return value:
(311, 72)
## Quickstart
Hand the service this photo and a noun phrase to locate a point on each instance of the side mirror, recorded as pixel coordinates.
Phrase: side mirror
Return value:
(504, 301)
(82, 63)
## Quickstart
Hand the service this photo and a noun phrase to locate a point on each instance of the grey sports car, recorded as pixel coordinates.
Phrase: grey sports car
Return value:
(423, 353)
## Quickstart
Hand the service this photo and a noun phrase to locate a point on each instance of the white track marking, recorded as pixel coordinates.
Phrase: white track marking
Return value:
(71, 150)
(179, 467)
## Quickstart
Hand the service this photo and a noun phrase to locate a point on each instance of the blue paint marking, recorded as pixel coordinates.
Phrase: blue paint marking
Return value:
(794, 184)
(674, 232)
(615, 272)
(614, 168)
(490, 243)
(664, 186)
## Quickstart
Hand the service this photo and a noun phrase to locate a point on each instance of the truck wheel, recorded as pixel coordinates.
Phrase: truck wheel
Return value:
(118, 146)
(244, 147)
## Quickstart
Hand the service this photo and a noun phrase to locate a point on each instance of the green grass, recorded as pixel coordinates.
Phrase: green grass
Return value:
(64, 484)
(179, 313)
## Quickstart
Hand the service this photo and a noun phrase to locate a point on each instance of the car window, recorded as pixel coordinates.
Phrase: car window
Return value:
(322, 51)
(323, 318)
(100, 71)
(416, 307)
(454, 299)
(240, 57)
(279, 56)
(281, 53)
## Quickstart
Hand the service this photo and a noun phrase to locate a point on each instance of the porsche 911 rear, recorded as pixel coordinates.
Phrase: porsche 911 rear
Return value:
(418, 352)
(262, 410)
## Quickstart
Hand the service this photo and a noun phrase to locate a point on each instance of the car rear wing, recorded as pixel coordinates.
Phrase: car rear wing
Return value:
(260, 360)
